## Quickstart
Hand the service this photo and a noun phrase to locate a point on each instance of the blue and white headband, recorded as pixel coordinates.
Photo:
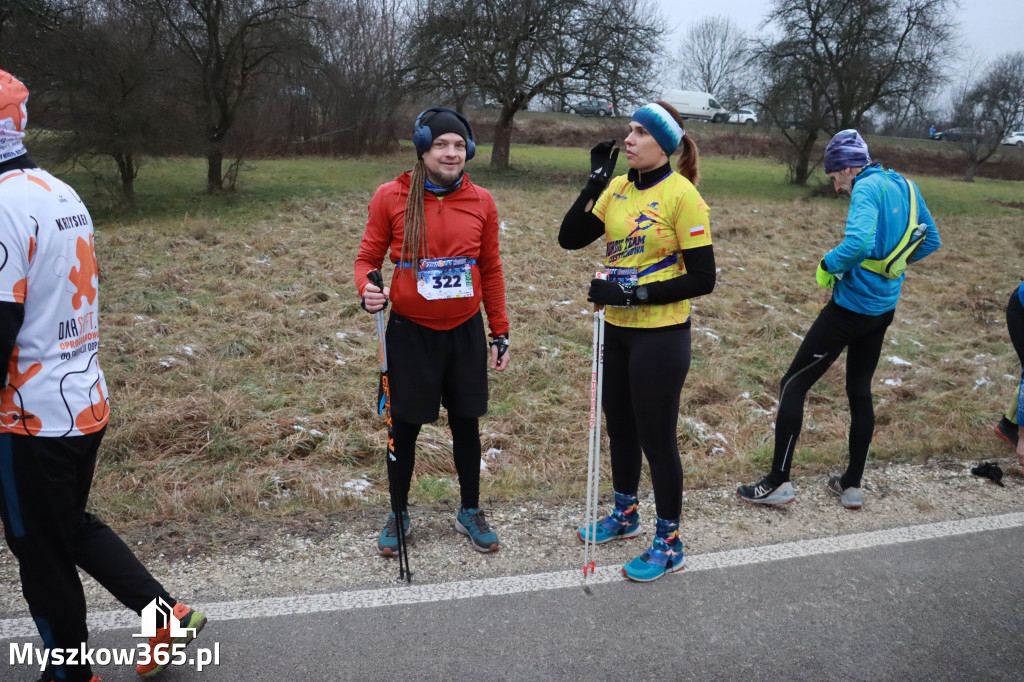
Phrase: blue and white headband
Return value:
(661, 125)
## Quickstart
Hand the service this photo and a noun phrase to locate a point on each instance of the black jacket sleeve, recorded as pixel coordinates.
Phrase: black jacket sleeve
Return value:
(579, 226)
(698, 280)
(12, 315)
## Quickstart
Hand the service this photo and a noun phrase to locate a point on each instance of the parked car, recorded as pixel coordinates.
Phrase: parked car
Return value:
(959, 135)
(591, 107)
(744, 116)
(697, 105)
(1015, 139)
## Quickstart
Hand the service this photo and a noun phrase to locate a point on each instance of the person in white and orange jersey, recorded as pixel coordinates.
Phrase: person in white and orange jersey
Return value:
(54, 406)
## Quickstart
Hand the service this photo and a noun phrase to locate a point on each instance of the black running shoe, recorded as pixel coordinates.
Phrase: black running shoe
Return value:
(764, 492)
(1007, 430)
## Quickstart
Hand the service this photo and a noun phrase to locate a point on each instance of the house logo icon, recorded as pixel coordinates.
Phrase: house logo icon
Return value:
(159, 614)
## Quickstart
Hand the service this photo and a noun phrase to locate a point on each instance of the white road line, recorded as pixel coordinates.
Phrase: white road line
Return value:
(419, 594)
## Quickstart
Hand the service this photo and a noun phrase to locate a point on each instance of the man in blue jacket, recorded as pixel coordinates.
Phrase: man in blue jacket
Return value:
(883, 232)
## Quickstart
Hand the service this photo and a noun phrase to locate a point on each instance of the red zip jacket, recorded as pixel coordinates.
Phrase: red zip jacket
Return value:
(464, 223)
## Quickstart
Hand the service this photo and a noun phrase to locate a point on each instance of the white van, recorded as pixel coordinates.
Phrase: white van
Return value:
(698, 105)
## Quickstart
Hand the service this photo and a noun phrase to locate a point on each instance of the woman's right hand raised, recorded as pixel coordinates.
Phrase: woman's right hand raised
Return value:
(602, 166)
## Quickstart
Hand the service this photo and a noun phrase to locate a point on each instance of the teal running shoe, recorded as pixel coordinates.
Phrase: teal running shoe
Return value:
(664, 556)
(387, 543)
(615, 526)
(471, 522)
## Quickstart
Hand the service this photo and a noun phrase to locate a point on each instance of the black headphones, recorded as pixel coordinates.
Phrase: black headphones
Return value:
(423, 137)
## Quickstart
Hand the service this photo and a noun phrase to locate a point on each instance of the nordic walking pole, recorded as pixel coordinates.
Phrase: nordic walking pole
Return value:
(384, 408)
(594, 453)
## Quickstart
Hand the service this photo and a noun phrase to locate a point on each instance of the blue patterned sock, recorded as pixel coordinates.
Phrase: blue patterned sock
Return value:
(626, 508)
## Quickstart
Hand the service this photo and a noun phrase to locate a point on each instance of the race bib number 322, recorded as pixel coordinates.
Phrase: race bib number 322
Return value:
(440, 278)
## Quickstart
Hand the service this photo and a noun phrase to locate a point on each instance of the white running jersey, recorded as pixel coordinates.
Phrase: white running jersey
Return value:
(55, 386)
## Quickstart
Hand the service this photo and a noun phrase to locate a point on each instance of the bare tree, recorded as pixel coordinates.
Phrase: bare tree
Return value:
(713, 57)
(359, 78)
(625, 72)
(516, 50)
(985, 112)
(101, 69)
(838, 59)
(229, 46)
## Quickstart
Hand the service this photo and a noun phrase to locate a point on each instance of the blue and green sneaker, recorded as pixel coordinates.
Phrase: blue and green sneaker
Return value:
(664, 556)
(471, 522)
(387, 543)
(621, 524)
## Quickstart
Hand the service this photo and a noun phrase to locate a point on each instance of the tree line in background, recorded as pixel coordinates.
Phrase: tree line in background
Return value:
(821, 66)
(226, 79)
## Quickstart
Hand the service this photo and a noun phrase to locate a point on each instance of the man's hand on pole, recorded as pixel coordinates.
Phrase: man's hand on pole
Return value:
(499, 353)
(374, 299)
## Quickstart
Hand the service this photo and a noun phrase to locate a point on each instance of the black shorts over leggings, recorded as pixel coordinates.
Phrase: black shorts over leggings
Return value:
(430, 367)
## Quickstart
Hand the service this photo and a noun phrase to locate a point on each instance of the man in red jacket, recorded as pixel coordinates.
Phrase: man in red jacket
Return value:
(442, 234)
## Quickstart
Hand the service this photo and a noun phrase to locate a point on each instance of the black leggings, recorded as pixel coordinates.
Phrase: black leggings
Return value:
(644, 371)
(44, 487)
(1015, 325)
(836, 328)
(465, 449)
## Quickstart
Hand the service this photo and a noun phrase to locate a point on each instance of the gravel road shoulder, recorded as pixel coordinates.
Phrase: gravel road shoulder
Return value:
(228, 559)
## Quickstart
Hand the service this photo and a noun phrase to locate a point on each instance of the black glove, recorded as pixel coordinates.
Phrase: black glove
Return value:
(602, 167)
(502, 344)
(989, 470)
(604, 292)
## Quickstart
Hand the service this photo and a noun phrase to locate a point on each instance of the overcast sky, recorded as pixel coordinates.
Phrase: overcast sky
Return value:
(989, 27)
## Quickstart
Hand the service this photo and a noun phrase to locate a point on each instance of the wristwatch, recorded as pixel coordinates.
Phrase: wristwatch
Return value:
(641, 294)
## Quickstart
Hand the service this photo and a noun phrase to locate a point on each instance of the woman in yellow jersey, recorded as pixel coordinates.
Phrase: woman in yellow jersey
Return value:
(658, 256)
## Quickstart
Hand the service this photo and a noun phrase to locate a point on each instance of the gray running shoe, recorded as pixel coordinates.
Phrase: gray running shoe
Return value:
(850, 498)
(764, 492)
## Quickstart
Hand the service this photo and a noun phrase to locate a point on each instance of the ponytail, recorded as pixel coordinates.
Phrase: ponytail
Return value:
(689, 158)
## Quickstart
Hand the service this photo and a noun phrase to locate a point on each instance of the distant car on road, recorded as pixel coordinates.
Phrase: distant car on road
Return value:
(1015, 139)
(743, 116)
(701, 106)
(959, 135)
(590, 107)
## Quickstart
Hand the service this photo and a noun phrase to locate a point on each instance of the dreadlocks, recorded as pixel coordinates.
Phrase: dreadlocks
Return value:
(414, 240)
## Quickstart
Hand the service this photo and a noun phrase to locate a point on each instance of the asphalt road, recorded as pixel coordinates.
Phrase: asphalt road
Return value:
(940, 609)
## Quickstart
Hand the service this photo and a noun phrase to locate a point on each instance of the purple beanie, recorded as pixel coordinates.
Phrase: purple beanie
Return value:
(847, 149)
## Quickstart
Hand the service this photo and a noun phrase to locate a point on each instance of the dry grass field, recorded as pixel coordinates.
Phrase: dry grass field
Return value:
(242, 371)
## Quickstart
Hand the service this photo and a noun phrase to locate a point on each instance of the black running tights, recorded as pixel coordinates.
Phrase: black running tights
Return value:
(44, 488)
(644, 371)
(835, 329)
(1015, 325)
(466, 451)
